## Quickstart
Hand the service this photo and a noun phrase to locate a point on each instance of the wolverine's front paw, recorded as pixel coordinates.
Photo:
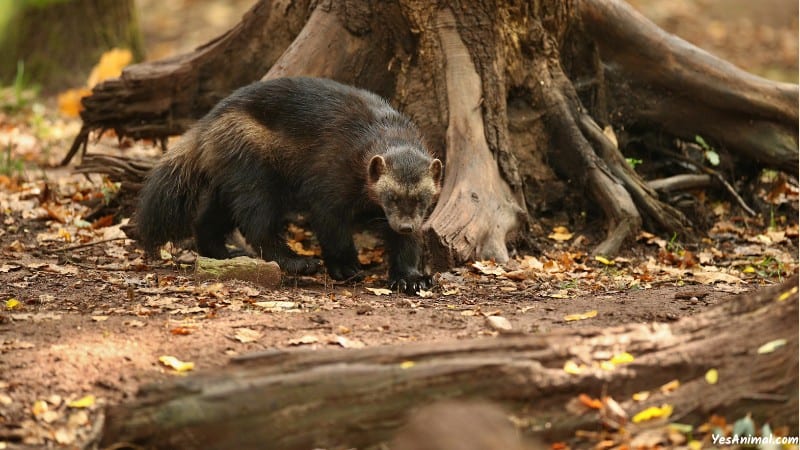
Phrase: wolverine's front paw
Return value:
(410, 283)
(344, 271)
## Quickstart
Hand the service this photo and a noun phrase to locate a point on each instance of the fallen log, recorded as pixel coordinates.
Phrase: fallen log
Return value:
(356, 398)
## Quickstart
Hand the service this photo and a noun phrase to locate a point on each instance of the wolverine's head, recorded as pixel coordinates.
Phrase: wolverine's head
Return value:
(405, 182)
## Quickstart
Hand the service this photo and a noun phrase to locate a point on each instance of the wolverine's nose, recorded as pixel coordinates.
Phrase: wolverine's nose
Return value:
(405, 228)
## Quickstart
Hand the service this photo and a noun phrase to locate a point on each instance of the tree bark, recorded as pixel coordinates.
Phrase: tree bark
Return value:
(59, 42)
(512, 96)
(357, 398)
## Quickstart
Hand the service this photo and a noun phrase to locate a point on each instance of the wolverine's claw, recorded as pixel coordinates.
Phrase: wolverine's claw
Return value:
(410, 284)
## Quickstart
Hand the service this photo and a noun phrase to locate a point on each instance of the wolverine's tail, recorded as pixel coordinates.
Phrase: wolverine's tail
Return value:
(168, 199)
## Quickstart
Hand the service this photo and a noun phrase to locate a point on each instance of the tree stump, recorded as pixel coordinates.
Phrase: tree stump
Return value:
(510, 95)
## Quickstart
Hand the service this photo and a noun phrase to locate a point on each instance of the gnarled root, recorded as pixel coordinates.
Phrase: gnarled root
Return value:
(478, 209)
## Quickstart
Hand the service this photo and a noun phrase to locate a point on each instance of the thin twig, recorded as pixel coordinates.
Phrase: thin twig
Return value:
(88, 244)
(711, 172)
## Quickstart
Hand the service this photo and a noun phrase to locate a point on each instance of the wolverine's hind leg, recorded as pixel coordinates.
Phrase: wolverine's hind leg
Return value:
(260, 220)
(212, 225)
(335, 235)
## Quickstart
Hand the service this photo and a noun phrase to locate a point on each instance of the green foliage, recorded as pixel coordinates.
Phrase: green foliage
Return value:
(110, 190)
(673, 245)
(9, 165)
(42, 3)
(711, 155)
(19, 95)
(633, 162)
(769, 268)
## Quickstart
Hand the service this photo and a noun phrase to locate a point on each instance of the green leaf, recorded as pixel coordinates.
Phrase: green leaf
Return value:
(702, 142)
(712, 157)
(633, 162)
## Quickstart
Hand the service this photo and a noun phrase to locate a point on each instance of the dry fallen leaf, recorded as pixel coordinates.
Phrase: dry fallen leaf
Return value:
(304, 340)
(671, 386)
(589, 402)
(582, 316)
(246, 335)
(277, 305)
(771, 346)
(176, 364)
(83, 402)
(488, 268)
(622, 358)
(348, 343)
(573, 368)
(708, 277)
(12, 303)
(653, 412)
(499, 323)
(379, 291)
(560, 234)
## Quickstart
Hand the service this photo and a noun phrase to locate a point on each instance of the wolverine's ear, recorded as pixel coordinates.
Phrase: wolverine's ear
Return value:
(436, 171)
(377, 167)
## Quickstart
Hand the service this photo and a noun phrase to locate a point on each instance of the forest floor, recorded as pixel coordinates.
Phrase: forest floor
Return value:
(85, 320)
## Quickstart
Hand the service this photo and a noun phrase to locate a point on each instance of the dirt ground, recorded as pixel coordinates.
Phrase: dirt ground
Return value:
(94, 320)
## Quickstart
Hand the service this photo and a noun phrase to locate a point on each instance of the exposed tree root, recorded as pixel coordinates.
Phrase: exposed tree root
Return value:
(666, 82)
(563, 116)
(478, 209)
(163, 98)
(680, 183)
(664, 216)
(129, 170)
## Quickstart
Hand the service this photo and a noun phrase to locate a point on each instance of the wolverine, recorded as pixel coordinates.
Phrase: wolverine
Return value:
(339, 155)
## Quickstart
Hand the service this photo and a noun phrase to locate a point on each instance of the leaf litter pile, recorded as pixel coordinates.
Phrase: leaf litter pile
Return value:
(85, 319)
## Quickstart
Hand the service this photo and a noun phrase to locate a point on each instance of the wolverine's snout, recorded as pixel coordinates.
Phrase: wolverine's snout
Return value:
(405, 228)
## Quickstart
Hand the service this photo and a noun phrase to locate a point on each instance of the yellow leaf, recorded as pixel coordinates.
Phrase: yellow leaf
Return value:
(175, 363)
(712, 376)
(641, 396)
(749, 269)
(771, 346)
(69, 101)
(653, 412)
(622, 358)
(572, 368)
(64, 234)
(607, 365)
(39, 407)
(110, 66)
(407, 364)
(695, 445)
(603, 260)
(787, 294)
(583, 316)
(12, 303)
(83, 402)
